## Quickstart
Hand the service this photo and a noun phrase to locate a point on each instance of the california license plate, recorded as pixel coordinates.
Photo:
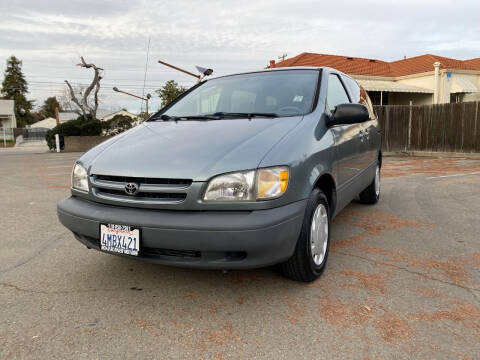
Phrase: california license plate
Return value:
(121, 239)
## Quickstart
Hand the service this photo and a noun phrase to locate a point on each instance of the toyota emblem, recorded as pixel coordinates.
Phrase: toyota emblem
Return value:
(131, 188)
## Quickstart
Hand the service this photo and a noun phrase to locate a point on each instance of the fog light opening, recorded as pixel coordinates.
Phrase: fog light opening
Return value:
(235, 255)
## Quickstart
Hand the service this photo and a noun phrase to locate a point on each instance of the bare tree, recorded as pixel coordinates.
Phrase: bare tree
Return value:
(65, 99)
(82, 101)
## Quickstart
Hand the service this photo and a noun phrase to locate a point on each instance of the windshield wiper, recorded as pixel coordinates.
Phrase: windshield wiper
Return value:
(200, 117)
(180, 118)
(247, 115)
(216, 116)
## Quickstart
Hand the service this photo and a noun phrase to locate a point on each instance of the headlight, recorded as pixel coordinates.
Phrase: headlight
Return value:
(79, 178)
(231, 187)
(248, 185)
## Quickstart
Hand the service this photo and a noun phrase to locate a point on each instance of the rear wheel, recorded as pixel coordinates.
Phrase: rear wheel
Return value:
(311, 252)
(372, 193)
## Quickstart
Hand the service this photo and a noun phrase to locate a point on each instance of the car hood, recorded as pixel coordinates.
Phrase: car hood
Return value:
(194, 150)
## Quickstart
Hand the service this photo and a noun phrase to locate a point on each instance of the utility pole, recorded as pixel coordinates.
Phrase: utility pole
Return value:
(57, 117)
(179, 69)
(146, 98)
(204, 71)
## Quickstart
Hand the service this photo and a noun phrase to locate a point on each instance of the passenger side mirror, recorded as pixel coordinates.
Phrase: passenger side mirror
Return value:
(346, 114)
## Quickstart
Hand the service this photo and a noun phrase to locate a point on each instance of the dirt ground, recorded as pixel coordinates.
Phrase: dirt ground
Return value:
(402, 280)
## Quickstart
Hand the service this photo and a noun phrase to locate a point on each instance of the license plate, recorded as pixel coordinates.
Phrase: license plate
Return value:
(121, 239)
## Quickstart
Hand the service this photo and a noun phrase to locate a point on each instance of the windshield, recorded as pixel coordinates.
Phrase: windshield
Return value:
(279, 93)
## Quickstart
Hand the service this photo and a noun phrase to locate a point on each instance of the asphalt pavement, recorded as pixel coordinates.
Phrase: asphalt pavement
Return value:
(402, 280)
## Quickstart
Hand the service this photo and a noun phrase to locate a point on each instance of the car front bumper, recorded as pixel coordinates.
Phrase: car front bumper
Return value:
(200, 239)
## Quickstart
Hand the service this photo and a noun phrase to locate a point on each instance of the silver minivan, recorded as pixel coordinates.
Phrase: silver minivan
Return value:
(240, 171)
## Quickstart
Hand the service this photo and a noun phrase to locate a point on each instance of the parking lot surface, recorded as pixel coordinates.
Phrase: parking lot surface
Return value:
(402, 280)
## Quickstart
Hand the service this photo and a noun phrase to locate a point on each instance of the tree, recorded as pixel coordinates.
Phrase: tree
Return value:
(86, 106)
(15, 87)
(49, 106)
(37, 116)
(142, 116)
(170, 91)
(118, 124)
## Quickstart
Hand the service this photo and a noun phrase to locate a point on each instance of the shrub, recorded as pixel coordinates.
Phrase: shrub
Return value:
(78, 127)
(89, 127)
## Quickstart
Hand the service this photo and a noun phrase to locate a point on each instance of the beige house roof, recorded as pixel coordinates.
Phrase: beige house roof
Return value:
(392, 86)
(48, 123)
(102, 114)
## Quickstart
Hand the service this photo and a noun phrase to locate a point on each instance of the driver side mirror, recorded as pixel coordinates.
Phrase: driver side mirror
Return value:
(346, 114)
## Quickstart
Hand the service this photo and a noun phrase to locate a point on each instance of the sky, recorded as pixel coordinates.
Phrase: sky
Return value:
(228, 36)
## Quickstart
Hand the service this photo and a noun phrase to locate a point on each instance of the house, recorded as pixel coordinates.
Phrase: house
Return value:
(425, 79)
(106, 115)
(48, 123)
(7, 114)
(64, 116)
(102, 114)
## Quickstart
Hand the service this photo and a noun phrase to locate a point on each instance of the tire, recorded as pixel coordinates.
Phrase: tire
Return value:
(371, 194)
(303, 266)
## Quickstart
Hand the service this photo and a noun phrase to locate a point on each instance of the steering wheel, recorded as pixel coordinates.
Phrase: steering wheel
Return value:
(287, 108)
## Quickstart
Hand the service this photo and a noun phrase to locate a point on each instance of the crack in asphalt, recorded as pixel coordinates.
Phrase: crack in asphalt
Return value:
(29, 258)
(58, 292)
(466, 288)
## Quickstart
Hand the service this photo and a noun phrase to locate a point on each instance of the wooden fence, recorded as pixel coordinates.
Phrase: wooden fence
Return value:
(443, 127)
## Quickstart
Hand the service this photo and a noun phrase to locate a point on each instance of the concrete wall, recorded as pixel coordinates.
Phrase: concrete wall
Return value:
(82, 143)
(423, 81)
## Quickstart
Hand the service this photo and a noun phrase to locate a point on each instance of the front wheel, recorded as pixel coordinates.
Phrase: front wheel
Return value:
(311, 252)
(372, 193)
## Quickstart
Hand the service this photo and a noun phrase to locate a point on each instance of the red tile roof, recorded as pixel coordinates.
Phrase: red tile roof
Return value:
(474, 63)
(424, 63)
(373, 67)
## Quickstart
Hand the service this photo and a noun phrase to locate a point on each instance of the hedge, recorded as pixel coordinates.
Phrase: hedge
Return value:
(78, 127)
(88, 127)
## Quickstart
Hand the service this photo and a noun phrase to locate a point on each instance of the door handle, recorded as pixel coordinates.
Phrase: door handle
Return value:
(367, 134)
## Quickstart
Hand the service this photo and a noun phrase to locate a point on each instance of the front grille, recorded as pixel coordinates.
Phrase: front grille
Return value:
(144, 180)
(149, 190)
(148, 195)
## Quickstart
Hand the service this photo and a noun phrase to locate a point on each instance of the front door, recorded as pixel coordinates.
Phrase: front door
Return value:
(347, 138)
(370, 131)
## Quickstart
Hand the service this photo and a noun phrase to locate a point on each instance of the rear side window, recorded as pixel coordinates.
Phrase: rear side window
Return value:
(336, 93)
(358, 94)
(365, 100)
(353, 88)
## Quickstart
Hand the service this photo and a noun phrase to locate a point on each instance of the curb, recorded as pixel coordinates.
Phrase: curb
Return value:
(433, 154)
